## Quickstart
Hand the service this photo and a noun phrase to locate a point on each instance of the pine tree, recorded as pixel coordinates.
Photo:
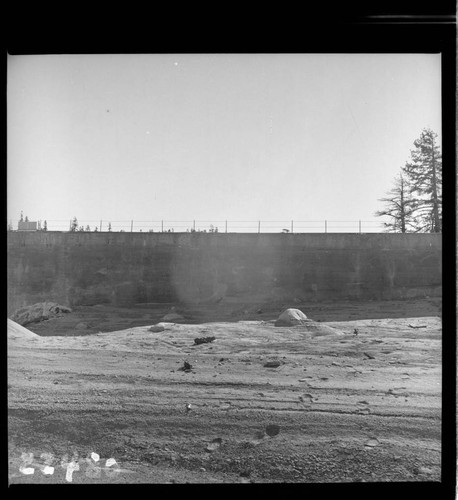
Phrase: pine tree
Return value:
(424, 177)
(399, 207)
(74, 224)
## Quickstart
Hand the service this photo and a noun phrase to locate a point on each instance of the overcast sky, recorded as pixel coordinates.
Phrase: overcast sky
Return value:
(213, 137)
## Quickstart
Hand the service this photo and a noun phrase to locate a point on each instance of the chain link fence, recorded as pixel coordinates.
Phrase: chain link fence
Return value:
(214, 226)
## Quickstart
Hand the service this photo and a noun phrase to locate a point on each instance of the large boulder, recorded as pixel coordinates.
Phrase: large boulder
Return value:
(292, 317)
(38, 312)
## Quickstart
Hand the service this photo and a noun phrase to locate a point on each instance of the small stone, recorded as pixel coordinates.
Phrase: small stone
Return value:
(157, 328)
(372, 442)
(186, 367)
(272, 430)
(214, 445)
(272, 364)
(203, 340)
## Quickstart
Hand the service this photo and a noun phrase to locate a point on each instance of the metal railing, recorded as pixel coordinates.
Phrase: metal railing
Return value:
(214, 226)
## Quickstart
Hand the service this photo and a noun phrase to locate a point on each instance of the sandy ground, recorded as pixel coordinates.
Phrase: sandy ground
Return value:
(348, 407)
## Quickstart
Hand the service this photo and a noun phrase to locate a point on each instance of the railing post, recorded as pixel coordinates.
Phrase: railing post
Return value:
(359, 227)
(131, 225)
(259, 226)
(162, 226)
(226, 227)
(292, 226)
(100, 226)
(194, 225)
(325, 226)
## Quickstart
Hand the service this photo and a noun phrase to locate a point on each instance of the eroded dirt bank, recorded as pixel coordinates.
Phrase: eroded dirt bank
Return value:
(360, 405)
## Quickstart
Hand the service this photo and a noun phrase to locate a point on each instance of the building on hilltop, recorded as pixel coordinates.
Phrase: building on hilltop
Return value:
(27, 226)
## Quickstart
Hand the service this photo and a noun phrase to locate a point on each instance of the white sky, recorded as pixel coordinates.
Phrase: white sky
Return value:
(213, 137)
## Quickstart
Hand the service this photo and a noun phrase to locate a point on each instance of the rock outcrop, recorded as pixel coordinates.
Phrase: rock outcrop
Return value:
(38, 312)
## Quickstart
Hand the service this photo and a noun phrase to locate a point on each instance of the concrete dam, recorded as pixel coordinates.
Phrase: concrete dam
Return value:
(88, 268)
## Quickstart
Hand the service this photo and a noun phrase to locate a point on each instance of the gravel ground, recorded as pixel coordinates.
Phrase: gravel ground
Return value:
(350, 400)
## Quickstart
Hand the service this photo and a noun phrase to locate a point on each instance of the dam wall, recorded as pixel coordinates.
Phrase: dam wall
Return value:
(88, 268)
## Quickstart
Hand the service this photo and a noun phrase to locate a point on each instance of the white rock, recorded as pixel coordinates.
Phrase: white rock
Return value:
(291, 317)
